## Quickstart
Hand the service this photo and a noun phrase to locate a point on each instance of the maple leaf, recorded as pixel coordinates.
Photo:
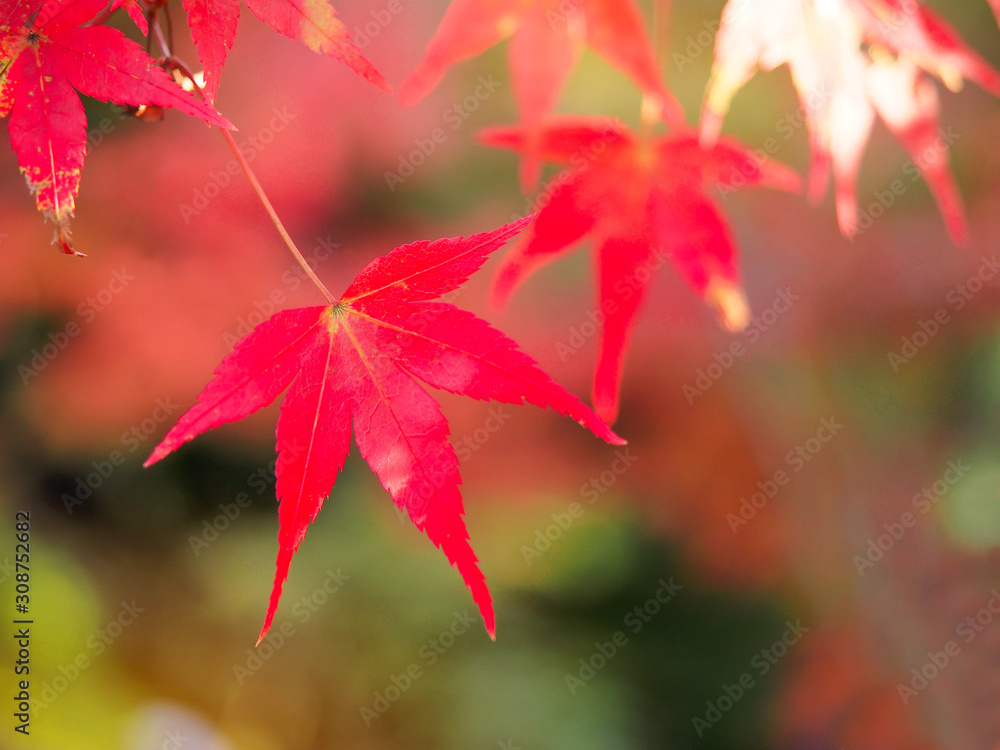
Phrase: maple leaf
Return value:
(546, 40)
(357, 362)
(42, 63)
(851, 60)
(135, 12)
(313, 22)
(643, 201)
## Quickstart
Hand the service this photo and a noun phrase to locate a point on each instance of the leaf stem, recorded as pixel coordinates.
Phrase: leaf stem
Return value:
(247, 170)
(154, 26)
(289, 242)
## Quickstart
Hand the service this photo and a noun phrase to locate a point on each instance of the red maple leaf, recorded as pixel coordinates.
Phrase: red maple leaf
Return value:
(135, 12)
(643, 201)
(313, 22)
(851, 60)
(547, 37)
(42, 62)
(357, 362)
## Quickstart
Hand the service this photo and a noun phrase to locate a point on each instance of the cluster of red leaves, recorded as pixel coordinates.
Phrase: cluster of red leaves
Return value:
(547, 37)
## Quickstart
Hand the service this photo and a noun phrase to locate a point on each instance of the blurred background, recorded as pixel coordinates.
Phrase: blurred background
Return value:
(797, 549)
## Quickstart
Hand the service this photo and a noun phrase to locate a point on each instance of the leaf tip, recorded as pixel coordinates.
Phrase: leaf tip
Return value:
(280, 576)
(606, 406)
(374, 76)
(64, 237)
(160, 452)
(412, 90)
(489, 620)
(958, 230)
(607, 412)
(729, 302)
(521, 223)
(502, 287)
(267, 624)
(711, 126)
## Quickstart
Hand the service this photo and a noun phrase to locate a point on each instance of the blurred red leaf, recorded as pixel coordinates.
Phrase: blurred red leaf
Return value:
(313, 22)
(644, 202)
(358, 361)
(851, 60)
(548, 37)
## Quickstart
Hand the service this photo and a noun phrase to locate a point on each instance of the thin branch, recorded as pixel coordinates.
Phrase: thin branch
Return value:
(154, 26)
(274, 216)
(247, 170)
